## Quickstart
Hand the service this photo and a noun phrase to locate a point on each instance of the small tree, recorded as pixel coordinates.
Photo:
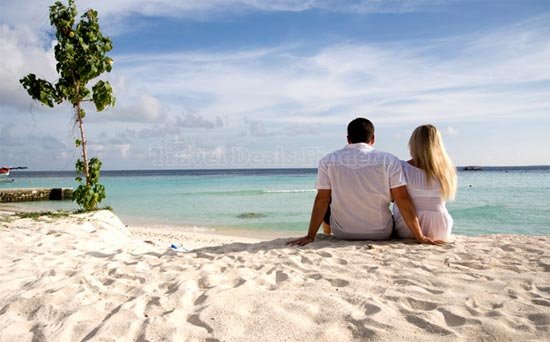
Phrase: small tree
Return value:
(81, 57)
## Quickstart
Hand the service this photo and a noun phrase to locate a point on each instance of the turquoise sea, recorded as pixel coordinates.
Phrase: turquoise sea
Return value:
(495, 200)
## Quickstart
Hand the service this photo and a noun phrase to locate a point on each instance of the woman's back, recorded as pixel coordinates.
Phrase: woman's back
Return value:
(430, 207)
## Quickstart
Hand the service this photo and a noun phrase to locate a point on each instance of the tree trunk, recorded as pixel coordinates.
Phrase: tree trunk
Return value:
(83, 143)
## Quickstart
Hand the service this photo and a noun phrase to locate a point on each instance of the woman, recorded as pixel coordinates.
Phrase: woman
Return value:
(431, 180)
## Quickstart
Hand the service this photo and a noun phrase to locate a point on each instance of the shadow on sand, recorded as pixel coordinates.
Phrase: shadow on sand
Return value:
(321, 241)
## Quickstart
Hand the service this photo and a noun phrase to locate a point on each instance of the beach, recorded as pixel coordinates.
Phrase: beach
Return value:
(160, 161)
(89, 277)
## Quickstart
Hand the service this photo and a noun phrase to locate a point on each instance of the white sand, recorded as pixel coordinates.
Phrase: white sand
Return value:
(87, 278)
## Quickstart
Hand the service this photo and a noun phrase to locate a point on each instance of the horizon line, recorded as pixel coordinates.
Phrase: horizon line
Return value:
(276, 168)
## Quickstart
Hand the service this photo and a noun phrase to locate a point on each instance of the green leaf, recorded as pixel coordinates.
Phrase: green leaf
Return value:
(40, 90)
(102, 95)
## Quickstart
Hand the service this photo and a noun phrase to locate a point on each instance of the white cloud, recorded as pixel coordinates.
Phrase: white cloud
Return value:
(484, 78)
(15, 12)
(142, 108)
(101, 150)
(257, 128)
(31, 148)
(186, 152)
(22, 52)
(451, 131)
(394, 82)
(124, 149)
(192, 120)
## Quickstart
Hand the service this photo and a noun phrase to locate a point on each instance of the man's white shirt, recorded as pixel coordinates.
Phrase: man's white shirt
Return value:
(360, 179)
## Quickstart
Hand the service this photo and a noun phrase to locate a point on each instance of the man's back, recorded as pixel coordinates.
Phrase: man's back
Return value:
(360, 179)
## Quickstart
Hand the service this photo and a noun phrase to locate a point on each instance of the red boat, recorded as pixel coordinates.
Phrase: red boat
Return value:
(5, 172)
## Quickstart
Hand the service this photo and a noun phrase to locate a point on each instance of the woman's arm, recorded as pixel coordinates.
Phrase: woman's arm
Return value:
(405, 204)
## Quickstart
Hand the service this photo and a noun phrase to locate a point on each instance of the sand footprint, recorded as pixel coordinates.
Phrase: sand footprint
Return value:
(427, 326)
(407, 282)
(545, 266)
(280, 277)
(472, 306)
(238, 282)
(196, 321)
(540, 319)
(271, 270)
(341, 261)
(208, 282)
(465, 256)
(541, 302)
(544, 289)
(200, 299)
(306, 260)
(153, 308)
(451, 319)
(314, 276)
(417, 304)
(360, 330)
(108, 281)
(371, 309)
(325, 254)
(172, 287)
(338, 282)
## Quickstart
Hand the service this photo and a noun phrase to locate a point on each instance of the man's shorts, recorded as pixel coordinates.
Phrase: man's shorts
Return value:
(327, 214)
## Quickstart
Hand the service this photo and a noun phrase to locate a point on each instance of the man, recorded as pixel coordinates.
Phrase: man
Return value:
(359, 182)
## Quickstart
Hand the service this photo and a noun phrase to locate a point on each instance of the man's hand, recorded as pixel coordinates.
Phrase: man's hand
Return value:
(301, 241)
(430, 241)
(320, 206)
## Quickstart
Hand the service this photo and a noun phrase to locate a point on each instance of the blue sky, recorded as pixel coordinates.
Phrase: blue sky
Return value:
(251, 83)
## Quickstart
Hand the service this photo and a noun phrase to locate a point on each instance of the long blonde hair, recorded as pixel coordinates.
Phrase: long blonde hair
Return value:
(427, 150)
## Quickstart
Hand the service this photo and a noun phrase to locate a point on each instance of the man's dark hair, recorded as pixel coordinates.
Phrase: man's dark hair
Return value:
(360, 130)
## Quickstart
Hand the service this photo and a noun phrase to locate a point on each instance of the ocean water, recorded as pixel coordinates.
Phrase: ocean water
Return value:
(496, 200)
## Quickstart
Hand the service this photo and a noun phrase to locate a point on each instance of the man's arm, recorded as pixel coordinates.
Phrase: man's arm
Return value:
(320, 207)
(405, 204)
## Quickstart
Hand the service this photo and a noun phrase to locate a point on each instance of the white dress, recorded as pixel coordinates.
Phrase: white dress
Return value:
(435, 220)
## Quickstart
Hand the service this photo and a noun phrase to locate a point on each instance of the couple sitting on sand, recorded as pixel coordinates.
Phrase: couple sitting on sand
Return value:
(356, 184)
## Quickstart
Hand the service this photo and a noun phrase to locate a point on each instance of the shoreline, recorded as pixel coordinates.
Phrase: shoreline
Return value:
(170, 231)
(167, 228)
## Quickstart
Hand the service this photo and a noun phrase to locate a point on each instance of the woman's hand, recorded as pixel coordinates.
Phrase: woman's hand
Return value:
(430, 241)
(301, 241)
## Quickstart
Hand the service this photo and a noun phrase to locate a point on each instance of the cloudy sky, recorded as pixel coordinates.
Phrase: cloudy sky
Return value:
(273, 83)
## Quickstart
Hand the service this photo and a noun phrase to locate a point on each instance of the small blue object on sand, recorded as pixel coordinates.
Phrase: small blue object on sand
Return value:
(177, 248)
